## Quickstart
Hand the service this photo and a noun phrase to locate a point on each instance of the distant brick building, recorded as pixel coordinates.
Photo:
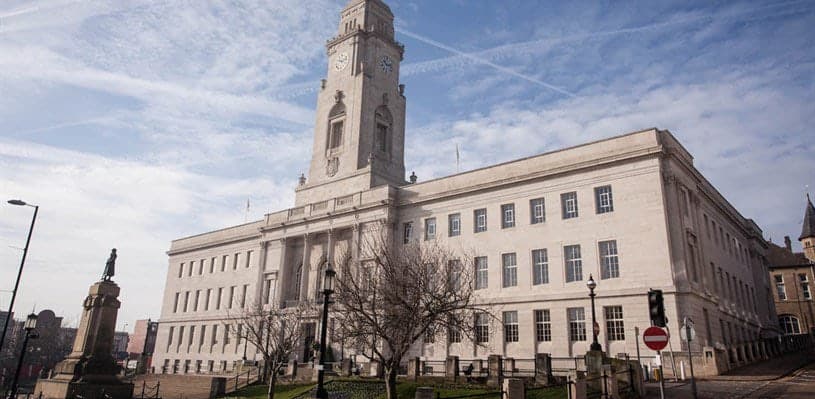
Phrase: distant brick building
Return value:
(792, 275)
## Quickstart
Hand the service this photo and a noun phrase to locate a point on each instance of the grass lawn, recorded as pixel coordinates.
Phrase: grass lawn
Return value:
(281, 391)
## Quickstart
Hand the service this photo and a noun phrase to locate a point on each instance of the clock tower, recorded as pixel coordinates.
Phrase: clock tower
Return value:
(359, 135)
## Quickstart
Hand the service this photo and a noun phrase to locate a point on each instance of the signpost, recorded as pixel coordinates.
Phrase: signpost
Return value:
(687, 333)
(656, 339)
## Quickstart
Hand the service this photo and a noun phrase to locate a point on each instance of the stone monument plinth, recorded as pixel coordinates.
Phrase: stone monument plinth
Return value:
(90, 371)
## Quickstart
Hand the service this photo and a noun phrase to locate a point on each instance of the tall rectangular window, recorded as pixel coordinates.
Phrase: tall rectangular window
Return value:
(231, 297)
(235, 261)
(481, 272)
(248, 261)
(201, 267)
(190, 338)
(181, 270)
(577, 324)
(507, 216)
(243, 295)
(206, 301)
(170, 338)
(214, 338)
(201, 337)
(224, 260)
(197, 297)
(779, 287)
(382, 137)
(568, 204)
(480, 218)
(212, 265)
(454, 334)
(615, 327)
(537, 210)
(482, 328)
(805, 286)
(218, 299)
(335, 139)
(175, 303)
(603, 199)
(510, 267)
(511, 326)
(543, 326)
(186, 301)
(407, 229)
(192, 266)
(574, 263)
(429, 229)
(609, 262)
(454, 225)
(540, 267)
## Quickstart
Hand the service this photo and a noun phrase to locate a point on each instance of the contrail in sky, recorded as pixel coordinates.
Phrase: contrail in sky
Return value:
(484, 61)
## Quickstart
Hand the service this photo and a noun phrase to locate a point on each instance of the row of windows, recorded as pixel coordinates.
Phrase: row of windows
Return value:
(194, 300)
(537, 210)
(576, 326)
(724, 240)
(780, 287)
(733, 288)
(201, 265)
(573, 263)
(184, 337)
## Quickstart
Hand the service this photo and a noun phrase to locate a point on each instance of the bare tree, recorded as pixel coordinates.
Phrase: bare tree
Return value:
(396, 294)
(275, 332)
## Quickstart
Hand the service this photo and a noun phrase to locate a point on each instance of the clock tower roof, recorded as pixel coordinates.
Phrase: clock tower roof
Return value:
(353, 3)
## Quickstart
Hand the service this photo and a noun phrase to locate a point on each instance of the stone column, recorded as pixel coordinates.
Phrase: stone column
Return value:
(451, 368)
(346, 367)
(284, 276)
(413, 370)
(306, 268)
(514, 388)
(496, 371)
(578, 390)
(543, 368)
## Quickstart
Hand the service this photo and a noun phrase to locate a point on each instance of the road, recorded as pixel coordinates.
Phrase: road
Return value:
(798, 385)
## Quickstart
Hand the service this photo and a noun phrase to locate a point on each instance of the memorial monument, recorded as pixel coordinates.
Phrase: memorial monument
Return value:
(90, 371)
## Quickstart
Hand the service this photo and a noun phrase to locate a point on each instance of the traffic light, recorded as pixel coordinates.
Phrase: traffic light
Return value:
(656, 308)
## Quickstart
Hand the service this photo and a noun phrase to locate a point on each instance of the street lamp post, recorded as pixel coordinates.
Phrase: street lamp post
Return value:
(30, 325)
(20, 270)
(328, 289)
(595, 346)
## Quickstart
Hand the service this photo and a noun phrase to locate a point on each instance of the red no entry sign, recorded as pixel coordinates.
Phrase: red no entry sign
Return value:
(655, 338)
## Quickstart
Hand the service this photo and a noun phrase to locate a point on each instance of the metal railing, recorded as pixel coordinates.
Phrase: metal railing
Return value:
(149, 392)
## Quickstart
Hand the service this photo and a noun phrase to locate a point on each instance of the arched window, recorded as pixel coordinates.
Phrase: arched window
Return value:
(336, 121)
(789, 324)
(384, 123)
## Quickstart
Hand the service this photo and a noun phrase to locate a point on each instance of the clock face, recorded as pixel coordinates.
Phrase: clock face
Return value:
(386, 64)
(341, 62)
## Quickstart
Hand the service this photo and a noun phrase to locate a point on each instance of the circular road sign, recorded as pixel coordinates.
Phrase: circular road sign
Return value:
(655, 338)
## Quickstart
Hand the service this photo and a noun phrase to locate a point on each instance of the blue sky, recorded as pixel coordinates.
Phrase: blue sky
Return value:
(133, 123)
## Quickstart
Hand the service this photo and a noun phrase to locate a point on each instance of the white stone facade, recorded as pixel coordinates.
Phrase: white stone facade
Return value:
(641, 205)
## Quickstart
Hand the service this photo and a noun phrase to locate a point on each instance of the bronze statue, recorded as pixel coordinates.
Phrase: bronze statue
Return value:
(110, 266)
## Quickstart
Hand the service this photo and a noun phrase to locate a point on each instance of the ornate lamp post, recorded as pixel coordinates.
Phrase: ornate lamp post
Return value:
(29, 326)
(20, 270)
(595, 346)
(328, 289)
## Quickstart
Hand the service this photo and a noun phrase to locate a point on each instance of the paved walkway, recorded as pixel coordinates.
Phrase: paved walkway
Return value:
(779, 375)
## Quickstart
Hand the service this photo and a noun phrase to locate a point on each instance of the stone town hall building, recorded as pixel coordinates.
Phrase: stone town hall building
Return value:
(632, 211)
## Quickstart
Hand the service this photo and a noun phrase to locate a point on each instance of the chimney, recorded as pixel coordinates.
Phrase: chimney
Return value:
(788, 243)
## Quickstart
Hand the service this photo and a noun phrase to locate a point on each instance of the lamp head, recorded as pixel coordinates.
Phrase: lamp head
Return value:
(328, 284)
(17, 202)
(30, 322)
(591, 283)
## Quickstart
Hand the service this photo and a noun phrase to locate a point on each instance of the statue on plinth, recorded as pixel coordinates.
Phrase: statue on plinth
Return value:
(90, 370)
